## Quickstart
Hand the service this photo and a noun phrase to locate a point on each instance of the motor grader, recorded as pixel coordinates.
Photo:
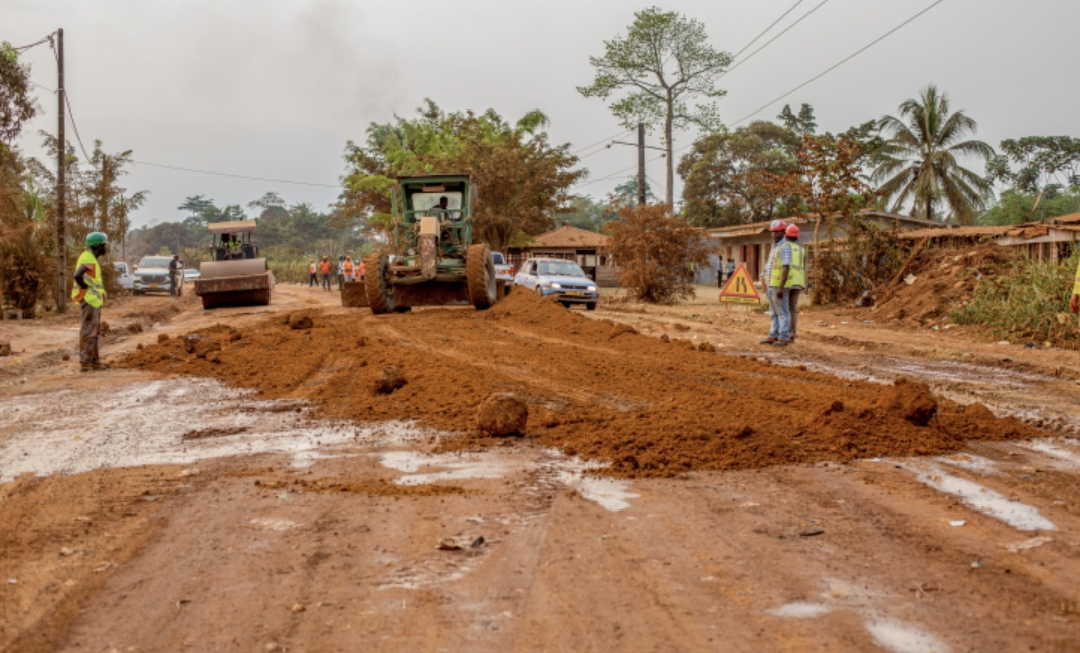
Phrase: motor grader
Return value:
(434, 261)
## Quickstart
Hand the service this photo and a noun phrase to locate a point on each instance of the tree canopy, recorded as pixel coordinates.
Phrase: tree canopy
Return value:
(919, 163)
(665, 63)
(723, 175)
(523, 179)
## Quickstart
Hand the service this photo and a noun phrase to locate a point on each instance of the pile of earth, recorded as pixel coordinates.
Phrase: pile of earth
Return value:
(647, 406)
(944, 280)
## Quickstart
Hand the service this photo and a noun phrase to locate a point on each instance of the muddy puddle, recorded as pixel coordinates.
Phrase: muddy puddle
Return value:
(175, 421)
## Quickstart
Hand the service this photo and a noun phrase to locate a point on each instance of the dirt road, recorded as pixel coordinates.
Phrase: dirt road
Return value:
(154, 510)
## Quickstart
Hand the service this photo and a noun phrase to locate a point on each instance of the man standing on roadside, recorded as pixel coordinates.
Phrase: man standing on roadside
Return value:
(313, 274)
(730, 268)
(341, 272)
(789, 273)
(777, 229)
(88, 292)
(324, 271)
(174, 276)
(720, 273)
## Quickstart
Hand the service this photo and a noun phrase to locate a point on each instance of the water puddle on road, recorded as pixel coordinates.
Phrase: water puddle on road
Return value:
(609, 493)
(976, 464)
(176, 421)
(899, 637)
(1020, 516)
(800, 610)
(1059, 453)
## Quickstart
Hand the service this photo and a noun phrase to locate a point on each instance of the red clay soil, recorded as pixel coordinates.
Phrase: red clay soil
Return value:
(945, 280)
(649, 408)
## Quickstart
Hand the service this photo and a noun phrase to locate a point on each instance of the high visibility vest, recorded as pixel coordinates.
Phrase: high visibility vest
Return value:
(363, 269)
(796, 271)
(94, 294)
(348, 268)
(324, 267)
(1076, 286)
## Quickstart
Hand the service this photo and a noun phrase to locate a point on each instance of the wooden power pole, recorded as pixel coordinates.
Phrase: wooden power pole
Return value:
(61, 183)
(641, 164)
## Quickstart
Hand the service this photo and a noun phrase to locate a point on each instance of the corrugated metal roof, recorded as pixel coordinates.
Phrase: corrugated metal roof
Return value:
(568, 236)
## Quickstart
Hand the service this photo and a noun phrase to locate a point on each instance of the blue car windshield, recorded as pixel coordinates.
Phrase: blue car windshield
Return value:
(561, 268)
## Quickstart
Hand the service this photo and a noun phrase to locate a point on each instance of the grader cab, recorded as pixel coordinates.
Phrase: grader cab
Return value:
(435, 262)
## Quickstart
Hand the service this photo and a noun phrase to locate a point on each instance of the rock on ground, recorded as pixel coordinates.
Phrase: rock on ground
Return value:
(392, 379)
(5, 348)
(911, 401)
(502, 413)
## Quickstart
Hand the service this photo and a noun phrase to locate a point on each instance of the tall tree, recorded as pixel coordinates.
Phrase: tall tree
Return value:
(1045, 165)
(801, 124)
(722, 175)
(16, 104)
(107, 204)
(919, 161)
(198, 206)
(665, 62)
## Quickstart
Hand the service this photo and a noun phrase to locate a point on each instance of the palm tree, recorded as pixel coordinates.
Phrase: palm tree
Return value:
(919, 161)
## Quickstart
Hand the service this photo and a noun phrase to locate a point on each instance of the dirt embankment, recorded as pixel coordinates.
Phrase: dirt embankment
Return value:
(649, 407)
(941, 281)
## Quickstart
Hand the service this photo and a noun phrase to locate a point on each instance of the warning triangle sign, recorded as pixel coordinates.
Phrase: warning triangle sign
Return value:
(739, 288)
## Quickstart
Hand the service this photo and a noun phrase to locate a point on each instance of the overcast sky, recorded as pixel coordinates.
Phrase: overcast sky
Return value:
(273, 88)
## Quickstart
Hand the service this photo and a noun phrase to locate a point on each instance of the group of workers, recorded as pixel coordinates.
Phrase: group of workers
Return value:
(345, 269)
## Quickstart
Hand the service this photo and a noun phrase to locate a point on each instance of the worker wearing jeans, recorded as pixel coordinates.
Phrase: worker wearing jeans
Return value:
(777, 229)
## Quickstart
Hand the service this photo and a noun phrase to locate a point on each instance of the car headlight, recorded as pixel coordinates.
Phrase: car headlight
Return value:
(554, 285)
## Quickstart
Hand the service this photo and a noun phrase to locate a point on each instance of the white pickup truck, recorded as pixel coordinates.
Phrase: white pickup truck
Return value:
(503, 271)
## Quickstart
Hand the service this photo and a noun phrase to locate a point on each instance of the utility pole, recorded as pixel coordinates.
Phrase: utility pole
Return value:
(61, 182)
(641, 147)
(641, 164)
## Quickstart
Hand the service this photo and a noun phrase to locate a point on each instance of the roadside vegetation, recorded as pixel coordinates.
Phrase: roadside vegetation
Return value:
(1030, 303)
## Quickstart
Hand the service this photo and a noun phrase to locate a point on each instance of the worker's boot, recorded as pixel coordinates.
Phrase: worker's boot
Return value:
(769, 341)
(86, 367)
(98, 366)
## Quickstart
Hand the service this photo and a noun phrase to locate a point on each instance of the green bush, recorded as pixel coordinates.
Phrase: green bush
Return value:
(1031, 302)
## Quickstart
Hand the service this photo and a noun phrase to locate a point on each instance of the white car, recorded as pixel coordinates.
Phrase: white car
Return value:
(123, 275)
(152, 275)
(564, 279)
(503, 271)
(190, 274)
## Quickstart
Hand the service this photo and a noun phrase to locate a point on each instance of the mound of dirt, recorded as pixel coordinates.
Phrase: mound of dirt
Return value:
(944, 279)
(646, 407)
(503, 413)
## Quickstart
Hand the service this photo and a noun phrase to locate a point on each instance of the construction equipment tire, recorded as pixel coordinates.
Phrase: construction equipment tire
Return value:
(380, 292)
(480, 275)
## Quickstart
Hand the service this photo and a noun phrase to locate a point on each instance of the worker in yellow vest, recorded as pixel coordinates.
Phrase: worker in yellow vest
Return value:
(89, 292)
(788, 278)
(1074, 301)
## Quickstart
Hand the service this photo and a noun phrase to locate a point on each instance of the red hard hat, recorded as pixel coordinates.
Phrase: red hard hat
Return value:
(777, 225)
(792, 231)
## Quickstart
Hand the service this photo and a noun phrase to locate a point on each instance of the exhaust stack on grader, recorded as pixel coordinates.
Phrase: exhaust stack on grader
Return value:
(435, 262)
(236, 276)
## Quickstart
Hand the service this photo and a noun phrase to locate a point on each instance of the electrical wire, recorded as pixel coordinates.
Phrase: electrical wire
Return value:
(226, 174)
(23, 48)
(770, 41)
(603, 140)
(766, 30)
(836, 65)
(71, 117)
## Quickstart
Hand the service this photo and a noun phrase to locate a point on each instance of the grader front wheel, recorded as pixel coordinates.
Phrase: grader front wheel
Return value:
(380, 292)
(480, 276)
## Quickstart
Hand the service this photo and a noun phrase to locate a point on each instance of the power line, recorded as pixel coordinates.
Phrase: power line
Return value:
(603, 140)
(770, 41)
(71, 117)
(766, 30)
(837, 65)
(46, 88)
(226, 174)
(23, 48)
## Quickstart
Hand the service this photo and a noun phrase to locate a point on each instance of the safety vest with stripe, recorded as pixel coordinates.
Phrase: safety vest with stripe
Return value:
(94, 294)
(324, 267)
(796, 271)
(348, 268)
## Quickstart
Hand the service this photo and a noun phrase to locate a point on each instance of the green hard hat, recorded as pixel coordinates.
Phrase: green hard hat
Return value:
(96, 238)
